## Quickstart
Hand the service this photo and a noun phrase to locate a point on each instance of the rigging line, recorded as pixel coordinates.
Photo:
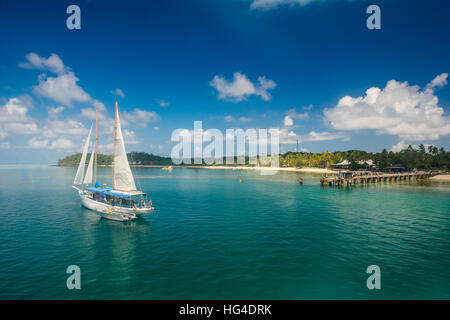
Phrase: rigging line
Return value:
(135, 172)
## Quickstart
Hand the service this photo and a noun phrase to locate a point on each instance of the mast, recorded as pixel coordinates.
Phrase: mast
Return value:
(96, 145)
(114, 154)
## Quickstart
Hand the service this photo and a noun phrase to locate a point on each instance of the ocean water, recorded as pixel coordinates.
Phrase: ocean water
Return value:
(212, 236)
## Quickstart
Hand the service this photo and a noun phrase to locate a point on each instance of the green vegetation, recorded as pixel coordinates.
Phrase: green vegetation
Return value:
(135, 158)
(144, 158)
(423, 158)
(74, 160)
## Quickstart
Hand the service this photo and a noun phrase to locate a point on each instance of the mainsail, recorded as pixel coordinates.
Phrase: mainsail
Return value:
(88, 177)
(80, 171)
(122, 176)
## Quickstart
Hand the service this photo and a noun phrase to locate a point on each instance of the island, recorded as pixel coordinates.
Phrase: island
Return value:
(412, 158)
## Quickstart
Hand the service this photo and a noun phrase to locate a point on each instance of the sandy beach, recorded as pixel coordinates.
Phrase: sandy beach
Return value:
(441, 177)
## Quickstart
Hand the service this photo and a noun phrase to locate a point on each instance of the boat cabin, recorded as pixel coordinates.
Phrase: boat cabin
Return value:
(117, 197)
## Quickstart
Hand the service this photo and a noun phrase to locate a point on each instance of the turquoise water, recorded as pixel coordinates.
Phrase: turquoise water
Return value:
(213, 237)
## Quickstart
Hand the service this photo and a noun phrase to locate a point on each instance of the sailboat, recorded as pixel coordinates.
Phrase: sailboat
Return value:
(120, 202)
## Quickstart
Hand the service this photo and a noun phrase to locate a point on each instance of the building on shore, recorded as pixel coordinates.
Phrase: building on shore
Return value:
(342, 165)
(368, 164)
(397, 168)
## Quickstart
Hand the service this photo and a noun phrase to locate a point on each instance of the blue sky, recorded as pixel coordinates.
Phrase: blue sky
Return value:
(242, 63)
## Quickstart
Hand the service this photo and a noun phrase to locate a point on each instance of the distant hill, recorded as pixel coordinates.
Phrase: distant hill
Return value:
(135, 158)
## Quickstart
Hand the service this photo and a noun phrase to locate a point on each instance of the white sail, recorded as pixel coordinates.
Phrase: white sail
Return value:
(88, 176)
(123, 177)
(80, 171)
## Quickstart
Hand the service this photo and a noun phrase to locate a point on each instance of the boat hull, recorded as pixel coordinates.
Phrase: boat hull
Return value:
(102, 207)
(117, 216)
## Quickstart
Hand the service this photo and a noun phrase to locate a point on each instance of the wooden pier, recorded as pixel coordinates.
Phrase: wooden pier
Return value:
(350, 178)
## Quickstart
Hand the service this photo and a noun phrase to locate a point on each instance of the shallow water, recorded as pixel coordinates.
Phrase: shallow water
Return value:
(214, 237)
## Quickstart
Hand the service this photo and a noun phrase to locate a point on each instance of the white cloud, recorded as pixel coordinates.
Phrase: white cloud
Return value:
(15, 110)
(401, 145)
(242, 119)
(155, 128)
(55, 132)
(106, 124)
(55, 128)
(62, 89)
(301, 116)
(35, 143)
(245, 119)
(288, 122)
(52, 63)
(292, 114)
(99, 105)
(229, 119)
(398, 109)
(241, 87)
(130, 137)
(60, 143)
(270, 4)
(118, 92)
(54, 112)
(4, 145)
(140, 118)
(324, 136)
(308, 107)
(89, 113)
(439, 81)
(163, 103)
(287, 136)
(14, 118)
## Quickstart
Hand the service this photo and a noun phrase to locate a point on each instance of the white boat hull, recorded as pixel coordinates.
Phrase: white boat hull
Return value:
(102, 207)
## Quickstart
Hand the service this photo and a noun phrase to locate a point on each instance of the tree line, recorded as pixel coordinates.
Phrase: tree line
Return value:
(134, 158)
(421, 158)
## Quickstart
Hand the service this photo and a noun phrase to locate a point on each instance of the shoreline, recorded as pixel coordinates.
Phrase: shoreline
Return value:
(287, 169)
(110, 165)
(441, 177)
